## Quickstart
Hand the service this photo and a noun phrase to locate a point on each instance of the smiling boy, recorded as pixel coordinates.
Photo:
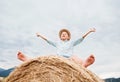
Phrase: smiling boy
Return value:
(65, 47)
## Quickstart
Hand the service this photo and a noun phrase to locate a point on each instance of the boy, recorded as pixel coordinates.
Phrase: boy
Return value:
(65, 47)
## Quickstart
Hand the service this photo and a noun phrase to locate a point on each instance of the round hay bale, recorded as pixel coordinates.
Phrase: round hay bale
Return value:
(51, 69)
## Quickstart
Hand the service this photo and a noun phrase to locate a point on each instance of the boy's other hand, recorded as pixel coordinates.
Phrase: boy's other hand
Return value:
(38, 35)
(92, 29)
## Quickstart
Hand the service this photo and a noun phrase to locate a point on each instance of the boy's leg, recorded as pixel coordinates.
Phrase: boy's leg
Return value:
(22, 57)
(90, 60)
(5, 73)
(76, 59)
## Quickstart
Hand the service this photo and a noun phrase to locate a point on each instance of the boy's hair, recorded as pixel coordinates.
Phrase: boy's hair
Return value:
(65, 30)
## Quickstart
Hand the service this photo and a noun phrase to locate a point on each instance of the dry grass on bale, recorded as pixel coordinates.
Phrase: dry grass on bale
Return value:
(52, 69)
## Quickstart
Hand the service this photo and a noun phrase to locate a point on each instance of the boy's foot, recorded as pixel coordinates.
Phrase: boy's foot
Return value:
(21, 56)
(90, 60)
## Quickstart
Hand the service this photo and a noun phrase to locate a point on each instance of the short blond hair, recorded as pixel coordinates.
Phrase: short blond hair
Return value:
(65, 30)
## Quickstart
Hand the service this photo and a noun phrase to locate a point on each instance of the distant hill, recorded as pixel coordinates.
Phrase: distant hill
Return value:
(112, 80)
(111, 77)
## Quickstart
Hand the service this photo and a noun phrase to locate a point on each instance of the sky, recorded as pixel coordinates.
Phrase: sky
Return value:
(20, 20)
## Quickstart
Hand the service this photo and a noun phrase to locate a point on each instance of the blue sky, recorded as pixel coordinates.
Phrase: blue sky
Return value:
(21, 19)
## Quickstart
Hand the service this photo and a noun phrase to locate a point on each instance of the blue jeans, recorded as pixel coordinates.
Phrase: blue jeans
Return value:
(5, 72)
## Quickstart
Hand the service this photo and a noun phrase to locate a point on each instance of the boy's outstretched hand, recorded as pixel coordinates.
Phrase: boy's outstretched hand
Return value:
(92, 30)
(38, 35)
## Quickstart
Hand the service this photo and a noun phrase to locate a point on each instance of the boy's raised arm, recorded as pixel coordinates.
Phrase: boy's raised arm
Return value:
(48, 41)
(38, 35)
(90, 30)
(76, 42)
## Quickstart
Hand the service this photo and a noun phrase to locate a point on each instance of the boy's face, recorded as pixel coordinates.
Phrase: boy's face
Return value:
(64, 36)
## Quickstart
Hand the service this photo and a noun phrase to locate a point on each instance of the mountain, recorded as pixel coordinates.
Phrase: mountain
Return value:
(112, 80)
(111, 77)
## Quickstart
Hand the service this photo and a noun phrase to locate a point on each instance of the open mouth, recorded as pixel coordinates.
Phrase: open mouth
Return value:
(63, 36)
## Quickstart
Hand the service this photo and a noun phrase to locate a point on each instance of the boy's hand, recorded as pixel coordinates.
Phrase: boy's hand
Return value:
(92, 30)
(38, 35)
